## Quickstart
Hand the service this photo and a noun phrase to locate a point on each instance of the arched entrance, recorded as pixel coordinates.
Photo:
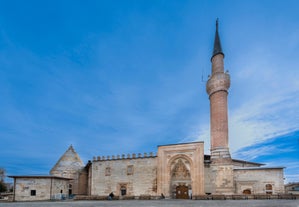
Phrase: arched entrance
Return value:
(180, 179)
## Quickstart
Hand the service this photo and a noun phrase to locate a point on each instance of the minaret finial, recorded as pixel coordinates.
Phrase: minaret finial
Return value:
(217, 45)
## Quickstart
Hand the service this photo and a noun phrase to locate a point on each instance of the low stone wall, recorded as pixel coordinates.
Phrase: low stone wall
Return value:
(6, 197)
(141, 197)
(96, 197)
(199, 197)
(246, 197)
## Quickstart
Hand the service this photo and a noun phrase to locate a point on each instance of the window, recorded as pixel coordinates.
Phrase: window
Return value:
(108, 171)
(268, 188)
(123, 190)
(130, 170)
(70, 189)
(33, 192)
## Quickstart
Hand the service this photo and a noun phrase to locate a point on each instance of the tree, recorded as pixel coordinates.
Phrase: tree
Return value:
(3, 187)
(2, 174)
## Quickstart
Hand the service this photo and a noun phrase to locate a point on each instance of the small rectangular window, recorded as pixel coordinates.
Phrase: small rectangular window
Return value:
(33, 192)
(123, 189)
(107, 171)
(130, 170)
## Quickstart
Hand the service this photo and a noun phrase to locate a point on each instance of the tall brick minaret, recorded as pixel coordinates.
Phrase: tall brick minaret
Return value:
(217, 89)
(222, 181)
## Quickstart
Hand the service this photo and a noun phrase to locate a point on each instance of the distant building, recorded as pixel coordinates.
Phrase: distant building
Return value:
(292, 188)
(176, 171)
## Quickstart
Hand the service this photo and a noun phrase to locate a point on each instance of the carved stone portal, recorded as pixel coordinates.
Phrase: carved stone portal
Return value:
(180, 171)
(180, 165)
(180, 178)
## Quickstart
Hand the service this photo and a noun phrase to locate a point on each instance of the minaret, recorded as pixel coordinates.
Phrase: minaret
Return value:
(221, 168)
(217, 89)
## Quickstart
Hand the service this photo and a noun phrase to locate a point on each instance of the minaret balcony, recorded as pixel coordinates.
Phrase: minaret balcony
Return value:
(218, 82)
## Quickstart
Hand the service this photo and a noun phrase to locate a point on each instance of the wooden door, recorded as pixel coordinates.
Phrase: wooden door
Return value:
(247, 191)
(182, 192)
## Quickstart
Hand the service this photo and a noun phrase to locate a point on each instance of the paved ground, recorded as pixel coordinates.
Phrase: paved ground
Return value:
(160, 203)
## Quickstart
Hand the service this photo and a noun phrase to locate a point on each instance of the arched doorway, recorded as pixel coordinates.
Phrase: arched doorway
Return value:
(180, 179)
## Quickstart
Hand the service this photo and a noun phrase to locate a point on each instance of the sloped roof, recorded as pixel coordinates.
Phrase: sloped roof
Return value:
(258, 168)
(207, 158)
(38, 177)
(68, 162)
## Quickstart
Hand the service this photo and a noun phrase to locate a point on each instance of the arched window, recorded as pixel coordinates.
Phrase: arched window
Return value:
(268, 189)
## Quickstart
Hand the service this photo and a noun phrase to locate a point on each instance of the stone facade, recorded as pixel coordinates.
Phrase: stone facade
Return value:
(177, 169)
(261, 180)
(181, 168)
(34, 188)
(292, 188)
(124, 177)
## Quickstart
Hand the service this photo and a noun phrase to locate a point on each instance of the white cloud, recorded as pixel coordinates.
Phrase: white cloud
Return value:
(264, 150)
(259, 119)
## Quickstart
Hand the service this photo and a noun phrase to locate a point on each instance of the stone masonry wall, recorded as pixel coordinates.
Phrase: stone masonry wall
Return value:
(256, 180)
(44, 188)
(138, 176)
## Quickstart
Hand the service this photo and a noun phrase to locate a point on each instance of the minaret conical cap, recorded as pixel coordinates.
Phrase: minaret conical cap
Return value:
(217, 44)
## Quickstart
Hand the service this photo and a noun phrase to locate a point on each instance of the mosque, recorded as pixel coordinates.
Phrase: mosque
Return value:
(179, 171)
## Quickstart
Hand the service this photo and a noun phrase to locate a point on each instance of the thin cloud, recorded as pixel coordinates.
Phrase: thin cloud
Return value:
(263, 119)
(251, 153)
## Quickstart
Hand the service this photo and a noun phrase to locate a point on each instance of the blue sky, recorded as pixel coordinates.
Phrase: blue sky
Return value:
(118, 77)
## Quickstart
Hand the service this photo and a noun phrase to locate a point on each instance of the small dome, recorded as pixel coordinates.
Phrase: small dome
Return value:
(68, 164)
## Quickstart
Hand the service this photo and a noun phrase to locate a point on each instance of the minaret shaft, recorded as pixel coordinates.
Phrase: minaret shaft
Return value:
(217, 89)
(219, 120)
(217, 64)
